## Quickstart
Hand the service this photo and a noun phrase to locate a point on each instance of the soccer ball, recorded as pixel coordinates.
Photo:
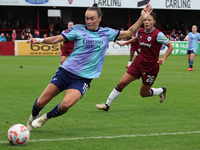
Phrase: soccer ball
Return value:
(18, 134)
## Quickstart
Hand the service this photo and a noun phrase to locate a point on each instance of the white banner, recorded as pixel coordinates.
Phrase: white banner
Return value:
(115, 49)
(157, 4)
(26, 2)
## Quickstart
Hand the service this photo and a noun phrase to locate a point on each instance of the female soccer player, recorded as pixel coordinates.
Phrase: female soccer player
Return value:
(135, 47)
(67, 47)
(193, 38)
(84, 64)
(146, 64)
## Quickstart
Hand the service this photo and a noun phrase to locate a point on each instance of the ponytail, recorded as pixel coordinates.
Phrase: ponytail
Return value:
(96, 8)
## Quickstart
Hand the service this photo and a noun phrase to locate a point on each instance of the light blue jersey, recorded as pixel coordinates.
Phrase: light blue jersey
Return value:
(89, 51)
(193, 41)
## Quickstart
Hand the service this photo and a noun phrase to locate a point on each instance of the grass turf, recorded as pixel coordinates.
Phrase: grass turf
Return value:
(142, 120)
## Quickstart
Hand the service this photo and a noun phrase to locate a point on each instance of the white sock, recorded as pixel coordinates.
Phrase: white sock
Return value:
(157, 91)
(114, 94)
(129, 63)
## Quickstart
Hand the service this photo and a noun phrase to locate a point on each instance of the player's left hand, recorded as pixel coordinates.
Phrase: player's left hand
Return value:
(161, 61)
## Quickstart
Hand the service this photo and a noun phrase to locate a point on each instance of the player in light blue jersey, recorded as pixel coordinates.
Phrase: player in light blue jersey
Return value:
(193, 38)
(84, 64)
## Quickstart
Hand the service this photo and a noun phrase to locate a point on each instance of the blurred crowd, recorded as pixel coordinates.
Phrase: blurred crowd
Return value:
(23, 31)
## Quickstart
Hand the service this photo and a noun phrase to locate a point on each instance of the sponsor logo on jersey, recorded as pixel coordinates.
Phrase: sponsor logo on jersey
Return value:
(145, 44)
(37, 1)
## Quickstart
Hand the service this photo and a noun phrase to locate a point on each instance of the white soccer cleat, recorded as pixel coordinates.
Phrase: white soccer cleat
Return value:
(31, 119)
(40, 121)
(163, 94)
(104, 107)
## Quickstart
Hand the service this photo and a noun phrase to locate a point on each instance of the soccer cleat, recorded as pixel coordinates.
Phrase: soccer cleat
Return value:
(127, 66)
(163, 94)
(190, 69)
(40, 121)
(31, 119)
(104, 107)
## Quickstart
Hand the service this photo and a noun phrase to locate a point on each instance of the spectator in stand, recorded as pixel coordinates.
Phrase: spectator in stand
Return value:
(173, 35)
(181, 35)
(2, 37)
(36, 34)
(27, 33)
(23, 32)
(51, 32)
(8, 37)
(14, 35)
(23, 37)
(44, 35)
(57, 32)
(177, 38)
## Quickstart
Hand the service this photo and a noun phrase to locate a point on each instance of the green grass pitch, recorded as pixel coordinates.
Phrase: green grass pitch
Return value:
(132, 123)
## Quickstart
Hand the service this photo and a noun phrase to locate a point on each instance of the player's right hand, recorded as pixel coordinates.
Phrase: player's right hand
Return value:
(34, 41)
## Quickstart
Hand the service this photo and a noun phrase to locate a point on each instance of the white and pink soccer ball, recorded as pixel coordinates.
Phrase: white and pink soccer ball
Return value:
(18, 134)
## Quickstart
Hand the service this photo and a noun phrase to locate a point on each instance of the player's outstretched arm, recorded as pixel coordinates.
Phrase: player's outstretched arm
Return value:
(168, 52)
(144, 14)
(48, 40)
(133, 40)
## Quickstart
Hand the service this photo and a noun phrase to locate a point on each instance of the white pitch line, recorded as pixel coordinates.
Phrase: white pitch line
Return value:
(109, 137)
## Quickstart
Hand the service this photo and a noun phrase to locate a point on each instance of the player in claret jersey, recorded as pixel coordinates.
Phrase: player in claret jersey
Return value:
(67, 47)
(146, 64)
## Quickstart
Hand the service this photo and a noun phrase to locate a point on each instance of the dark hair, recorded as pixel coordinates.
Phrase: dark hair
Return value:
(96, 8)
(153, 14)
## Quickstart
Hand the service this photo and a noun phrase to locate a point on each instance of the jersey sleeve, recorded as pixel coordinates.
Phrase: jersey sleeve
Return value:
(69, 34)
(162, 39)
(113, 34)
(136, 35)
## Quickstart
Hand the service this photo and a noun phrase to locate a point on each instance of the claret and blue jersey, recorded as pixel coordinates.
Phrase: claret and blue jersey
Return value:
(89, 50)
